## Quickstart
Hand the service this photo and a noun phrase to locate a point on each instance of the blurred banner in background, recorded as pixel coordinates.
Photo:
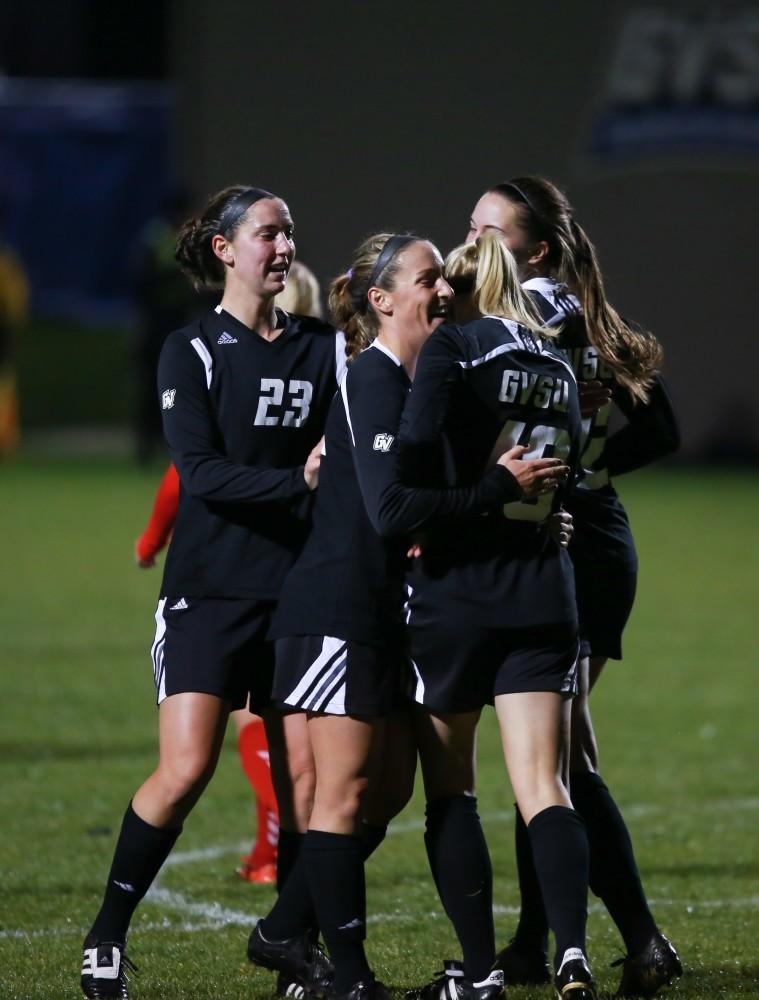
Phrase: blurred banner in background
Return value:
(680, 84)
(84, 165)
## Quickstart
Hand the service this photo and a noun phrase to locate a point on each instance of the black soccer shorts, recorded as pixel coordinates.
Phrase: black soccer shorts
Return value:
(460, 667)
(605, 597)
(214, 646)
(333, 676)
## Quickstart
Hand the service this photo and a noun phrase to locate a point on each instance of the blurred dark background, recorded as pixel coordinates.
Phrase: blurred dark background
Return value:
(382, 115)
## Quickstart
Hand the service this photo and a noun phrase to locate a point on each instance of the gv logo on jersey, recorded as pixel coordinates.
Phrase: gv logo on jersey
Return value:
(383, 442)
(167, 398)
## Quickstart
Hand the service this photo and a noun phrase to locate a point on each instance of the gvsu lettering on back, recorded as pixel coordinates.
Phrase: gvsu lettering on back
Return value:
(541, 391)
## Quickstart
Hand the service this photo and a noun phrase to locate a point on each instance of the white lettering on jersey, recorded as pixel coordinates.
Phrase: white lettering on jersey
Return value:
(167, 398)
(587, 363)
(542, 391)
(383, 442)
(297, 407)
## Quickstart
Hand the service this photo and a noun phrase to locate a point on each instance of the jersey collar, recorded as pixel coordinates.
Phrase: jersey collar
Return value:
(387, 351)
(284, 320)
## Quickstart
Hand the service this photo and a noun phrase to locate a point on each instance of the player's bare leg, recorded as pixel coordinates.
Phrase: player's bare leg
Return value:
(534, 733)
(191, 732)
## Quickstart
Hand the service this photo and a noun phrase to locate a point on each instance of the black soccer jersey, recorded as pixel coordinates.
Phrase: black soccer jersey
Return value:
(650, 433)
(348, 582)
(240, 415)
(490, 385)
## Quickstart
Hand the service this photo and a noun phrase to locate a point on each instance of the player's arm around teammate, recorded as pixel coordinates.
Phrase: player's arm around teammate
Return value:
(559, 267)
(244, 393)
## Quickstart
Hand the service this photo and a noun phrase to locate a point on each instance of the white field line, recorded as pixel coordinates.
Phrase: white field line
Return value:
(214, 916)
(217, 917)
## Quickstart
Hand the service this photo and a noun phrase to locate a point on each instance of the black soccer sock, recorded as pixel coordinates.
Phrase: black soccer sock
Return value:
(293, 912)
(532, 929)
(335, 866)
(371, 838)
(560, 849)
(614, 875)
(288, 849)
(460, 864)
(141, 849)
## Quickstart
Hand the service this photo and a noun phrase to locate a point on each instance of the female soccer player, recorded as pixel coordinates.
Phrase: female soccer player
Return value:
(559, 267)
(492, 616)
(340, 653)
(244, 394)
(302, 297)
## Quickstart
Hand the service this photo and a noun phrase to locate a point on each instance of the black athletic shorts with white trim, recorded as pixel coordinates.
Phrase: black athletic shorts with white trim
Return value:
(214, 646)
(458, 666)
(325, 674)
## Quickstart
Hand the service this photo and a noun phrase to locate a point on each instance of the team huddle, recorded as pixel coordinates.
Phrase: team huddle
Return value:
(384, 526)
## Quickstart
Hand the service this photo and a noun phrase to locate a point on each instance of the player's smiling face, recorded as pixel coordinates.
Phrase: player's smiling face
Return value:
(495, 214)
(263, 247)
(421, 294)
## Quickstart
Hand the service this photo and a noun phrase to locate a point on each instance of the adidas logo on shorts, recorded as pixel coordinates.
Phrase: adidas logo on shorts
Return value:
(181, 605)
(225, 338)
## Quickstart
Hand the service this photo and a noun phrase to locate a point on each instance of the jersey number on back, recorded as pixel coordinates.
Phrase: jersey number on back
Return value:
(541, 442)
(293, 413)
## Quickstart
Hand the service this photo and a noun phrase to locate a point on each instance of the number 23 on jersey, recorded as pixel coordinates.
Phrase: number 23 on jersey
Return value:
(280, 408)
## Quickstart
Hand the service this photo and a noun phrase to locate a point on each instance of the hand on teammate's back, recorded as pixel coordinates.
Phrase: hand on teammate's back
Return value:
(534, 475)
(593, 395)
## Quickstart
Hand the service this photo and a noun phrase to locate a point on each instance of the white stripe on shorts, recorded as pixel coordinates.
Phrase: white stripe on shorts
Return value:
(332, 650)
(419, 687)
(156, 652)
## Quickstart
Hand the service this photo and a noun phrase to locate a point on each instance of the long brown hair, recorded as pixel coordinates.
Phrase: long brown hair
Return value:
(545, 214)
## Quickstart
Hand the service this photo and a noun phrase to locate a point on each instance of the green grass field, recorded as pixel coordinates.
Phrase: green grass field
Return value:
(677, 724)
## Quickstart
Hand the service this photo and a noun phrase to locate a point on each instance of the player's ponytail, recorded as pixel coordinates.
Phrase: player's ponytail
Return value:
(634, 356)
(487, 272)
(224, 213)
(545, 215)
(375, 264)
(195, 256)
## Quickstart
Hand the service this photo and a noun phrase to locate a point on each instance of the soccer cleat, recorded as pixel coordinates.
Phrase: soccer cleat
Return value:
(653, 967)
(297, 958)
(574, 980)
(292, 988)
(262, 875)
(367, 989)
(452, 984)
(523, 967)
(103, 970)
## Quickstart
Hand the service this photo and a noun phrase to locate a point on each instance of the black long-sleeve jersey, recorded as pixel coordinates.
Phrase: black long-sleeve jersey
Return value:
(348, 582)
(240, 415)
(487, 386)
(651, 430)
